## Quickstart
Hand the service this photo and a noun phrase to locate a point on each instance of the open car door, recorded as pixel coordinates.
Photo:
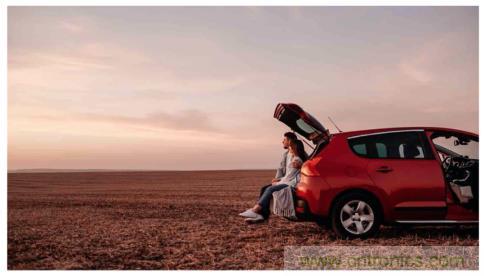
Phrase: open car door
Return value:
(298, 120)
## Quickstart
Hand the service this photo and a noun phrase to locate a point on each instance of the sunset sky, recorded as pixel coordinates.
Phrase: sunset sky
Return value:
(182, 88)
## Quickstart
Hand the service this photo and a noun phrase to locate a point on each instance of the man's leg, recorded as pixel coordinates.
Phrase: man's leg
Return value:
(263, 189)
(265, 199)
(265, 213)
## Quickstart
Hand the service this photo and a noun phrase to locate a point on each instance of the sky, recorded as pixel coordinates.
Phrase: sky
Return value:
(194, 88)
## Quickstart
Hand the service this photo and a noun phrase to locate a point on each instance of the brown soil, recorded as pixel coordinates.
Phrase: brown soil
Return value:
(165, 220)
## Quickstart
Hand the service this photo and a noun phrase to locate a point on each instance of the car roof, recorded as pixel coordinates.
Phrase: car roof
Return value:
(377, 130)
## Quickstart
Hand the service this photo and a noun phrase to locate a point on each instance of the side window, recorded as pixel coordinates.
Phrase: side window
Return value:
(402, 148)
(360, 146)
(360, 149)
(381, 150)
(397, 145)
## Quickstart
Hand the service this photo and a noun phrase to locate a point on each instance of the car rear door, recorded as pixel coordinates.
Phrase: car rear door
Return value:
(297, 119)
(402, 164)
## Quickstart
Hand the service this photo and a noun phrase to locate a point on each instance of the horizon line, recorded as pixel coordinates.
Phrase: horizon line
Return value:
(47, 170)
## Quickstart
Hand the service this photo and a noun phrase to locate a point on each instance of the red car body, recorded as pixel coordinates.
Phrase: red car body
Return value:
(402, 190)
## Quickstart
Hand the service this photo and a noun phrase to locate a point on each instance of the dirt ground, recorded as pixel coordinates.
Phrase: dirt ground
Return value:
(165, 220)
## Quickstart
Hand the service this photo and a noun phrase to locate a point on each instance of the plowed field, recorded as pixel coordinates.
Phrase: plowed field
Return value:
(165, 220)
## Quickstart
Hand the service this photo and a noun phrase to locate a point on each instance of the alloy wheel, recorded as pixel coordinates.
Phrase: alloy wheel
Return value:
(357, 217)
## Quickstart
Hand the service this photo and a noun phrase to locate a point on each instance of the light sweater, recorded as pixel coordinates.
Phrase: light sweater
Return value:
(290, 178)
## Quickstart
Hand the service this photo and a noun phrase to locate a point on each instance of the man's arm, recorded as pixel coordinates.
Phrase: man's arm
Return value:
(281, 171)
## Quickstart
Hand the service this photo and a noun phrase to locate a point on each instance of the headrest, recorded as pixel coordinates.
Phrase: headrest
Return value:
(410, 151)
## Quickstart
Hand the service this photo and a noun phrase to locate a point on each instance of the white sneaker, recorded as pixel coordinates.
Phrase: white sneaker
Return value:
(257, 219)
(249, 214)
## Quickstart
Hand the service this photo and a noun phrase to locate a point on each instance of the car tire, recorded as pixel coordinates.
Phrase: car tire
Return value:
(355, 215)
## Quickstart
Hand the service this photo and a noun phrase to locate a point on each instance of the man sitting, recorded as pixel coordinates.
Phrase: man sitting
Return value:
(287, 175)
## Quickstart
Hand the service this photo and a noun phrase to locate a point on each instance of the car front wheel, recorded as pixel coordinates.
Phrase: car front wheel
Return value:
(355, 216)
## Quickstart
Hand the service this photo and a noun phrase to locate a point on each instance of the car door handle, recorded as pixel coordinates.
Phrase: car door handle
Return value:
(384, 169)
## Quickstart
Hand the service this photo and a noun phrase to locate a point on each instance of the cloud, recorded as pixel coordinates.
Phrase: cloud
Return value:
(187, 120)
(415, 72)
(108, 66)
(73, 27)
(84, 57)
(436, 57)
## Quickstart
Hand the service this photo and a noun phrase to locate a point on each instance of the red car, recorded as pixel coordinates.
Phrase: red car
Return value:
(359, 180)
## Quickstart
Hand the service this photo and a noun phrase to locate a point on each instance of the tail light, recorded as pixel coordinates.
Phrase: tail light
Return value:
(309, 169)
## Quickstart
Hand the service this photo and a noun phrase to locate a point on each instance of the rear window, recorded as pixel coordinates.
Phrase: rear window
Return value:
(305, 126)
(396, 145)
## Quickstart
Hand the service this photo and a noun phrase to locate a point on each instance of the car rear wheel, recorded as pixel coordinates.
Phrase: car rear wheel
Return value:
(355, 215)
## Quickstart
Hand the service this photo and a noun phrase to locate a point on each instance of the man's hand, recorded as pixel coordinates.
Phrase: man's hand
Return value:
(275, 180)
(296, 164)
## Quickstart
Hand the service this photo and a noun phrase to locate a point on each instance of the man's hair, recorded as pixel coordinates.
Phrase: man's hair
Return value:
(291, 136)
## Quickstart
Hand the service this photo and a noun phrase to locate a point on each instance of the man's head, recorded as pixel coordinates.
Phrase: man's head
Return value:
(288, 138)
(318, 137)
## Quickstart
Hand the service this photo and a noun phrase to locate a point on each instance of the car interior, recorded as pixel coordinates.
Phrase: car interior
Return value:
(460, 164)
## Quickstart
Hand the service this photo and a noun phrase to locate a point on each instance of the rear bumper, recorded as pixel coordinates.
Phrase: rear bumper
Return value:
(303, 213)
(313, 196)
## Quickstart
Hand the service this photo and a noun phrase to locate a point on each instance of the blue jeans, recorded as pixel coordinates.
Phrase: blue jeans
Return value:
(265, 198)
